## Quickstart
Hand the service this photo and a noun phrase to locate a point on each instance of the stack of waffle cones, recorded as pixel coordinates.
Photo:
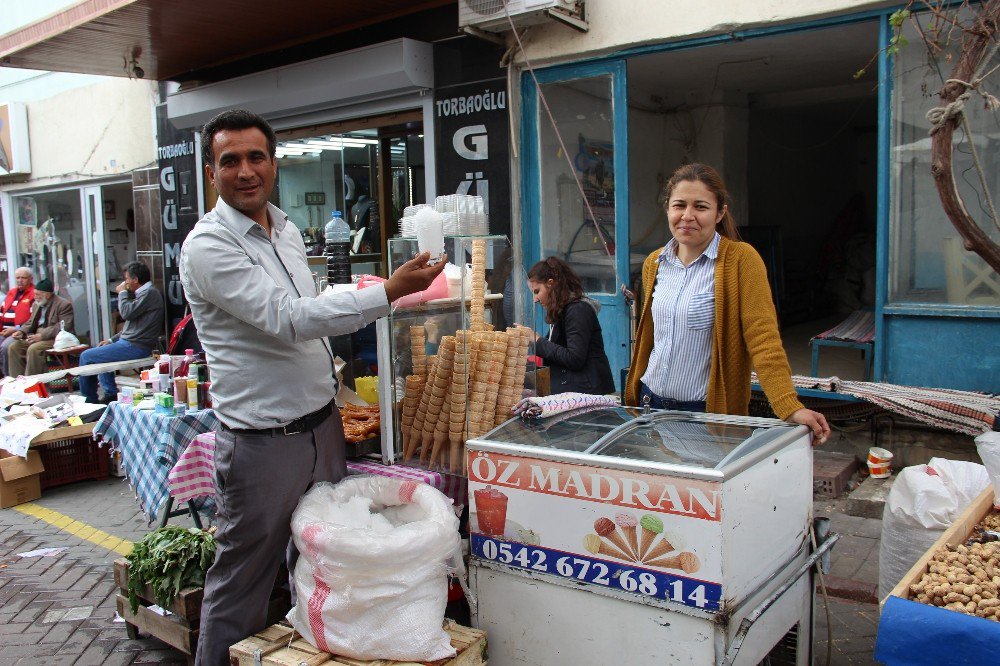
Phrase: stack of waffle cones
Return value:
(470, 386)
(619, 539)
(477, 305)
(512, 378)
(486, 382)
(411, 401)
(432, 402)
(418, 350)
(465, 352)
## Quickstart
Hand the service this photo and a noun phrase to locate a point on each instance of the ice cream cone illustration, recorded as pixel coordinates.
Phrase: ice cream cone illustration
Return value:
(606, 528)
(652, 527)
(629, 526)
(598, 546)
(687, 562)
(659, 549)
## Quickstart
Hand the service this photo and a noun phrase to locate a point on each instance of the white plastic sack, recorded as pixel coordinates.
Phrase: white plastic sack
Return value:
(374, 586)
(988, 445)
(924, 501)
(64, 339)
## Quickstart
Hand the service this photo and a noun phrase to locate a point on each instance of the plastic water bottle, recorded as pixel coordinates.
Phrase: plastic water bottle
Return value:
(338, 249)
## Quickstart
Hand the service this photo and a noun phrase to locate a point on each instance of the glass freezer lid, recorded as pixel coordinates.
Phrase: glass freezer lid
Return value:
(676, 438)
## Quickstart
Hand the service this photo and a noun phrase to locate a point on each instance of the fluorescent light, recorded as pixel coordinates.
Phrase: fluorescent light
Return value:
(325, 145)
(303, 147)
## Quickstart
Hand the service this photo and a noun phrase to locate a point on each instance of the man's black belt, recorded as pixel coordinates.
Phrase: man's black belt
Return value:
(299, 425)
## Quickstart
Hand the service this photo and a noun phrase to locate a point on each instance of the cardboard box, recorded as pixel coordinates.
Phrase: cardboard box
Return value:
(19, 478)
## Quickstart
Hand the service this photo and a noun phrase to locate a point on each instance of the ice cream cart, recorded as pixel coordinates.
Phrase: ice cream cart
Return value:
(628, 536)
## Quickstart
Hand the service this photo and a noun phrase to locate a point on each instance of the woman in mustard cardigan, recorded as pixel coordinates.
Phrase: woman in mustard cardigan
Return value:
(707, 314)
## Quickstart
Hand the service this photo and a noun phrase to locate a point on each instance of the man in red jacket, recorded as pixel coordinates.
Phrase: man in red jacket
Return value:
(16, 311)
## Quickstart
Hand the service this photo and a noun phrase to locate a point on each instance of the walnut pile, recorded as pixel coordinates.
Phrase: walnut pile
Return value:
(964, 578)
(991, 521)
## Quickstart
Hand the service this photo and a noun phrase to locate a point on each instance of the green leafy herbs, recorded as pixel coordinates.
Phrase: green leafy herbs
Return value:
(169, 559)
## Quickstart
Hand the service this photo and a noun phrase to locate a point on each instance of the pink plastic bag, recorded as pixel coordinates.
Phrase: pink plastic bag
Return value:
(438, 289)
(369, 281)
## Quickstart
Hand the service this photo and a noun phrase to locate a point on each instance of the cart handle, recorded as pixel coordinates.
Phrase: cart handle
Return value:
(755, 614)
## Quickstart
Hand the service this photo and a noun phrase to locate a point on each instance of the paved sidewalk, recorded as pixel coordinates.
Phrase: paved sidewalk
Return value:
(61, 610)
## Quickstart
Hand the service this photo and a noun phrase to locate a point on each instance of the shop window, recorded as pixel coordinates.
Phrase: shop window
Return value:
(48, 231)
(583, 112)
(927, 261)
(321, 173)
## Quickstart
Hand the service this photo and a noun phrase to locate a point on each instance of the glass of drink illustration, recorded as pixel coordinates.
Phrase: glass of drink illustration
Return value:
(491, 511)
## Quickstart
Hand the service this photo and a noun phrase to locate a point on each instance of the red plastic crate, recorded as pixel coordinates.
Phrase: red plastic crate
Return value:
(69, 460)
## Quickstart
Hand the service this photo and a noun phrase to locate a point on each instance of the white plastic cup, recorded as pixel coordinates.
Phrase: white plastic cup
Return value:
(879, 456)
(879, 470)
(430, 233)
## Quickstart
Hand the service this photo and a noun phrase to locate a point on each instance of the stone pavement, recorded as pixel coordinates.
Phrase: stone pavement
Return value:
(61, 610)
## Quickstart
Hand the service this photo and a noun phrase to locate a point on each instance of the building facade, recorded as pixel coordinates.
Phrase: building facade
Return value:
(828, 168)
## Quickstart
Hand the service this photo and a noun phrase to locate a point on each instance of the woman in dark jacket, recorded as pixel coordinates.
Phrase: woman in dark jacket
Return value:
(574, 348)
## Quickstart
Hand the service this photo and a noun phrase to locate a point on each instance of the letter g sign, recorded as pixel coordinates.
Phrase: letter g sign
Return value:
(470, 142)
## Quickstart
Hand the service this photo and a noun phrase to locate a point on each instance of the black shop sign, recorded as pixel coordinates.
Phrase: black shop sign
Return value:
(178, 163)
(472, 154)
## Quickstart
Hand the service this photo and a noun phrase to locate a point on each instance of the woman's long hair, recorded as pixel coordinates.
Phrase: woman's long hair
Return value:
(566, 286)
(711, 179)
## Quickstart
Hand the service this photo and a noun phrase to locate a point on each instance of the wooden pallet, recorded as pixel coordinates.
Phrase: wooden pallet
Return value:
(959, 531)
(180, 628)
(280, 645)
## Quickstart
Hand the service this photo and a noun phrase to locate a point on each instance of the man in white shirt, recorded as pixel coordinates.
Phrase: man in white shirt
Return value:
(264, 330)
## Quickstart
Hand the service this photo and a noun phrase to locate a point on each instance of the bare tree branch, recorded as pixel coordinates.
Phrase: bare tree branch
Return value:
(981, 36)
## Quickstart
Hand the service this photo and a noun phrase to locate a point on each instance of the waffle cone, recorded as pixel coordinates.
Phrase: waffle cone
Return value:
(632, 537)
(686, 562)
(646, 538)
(659, 549)
(610, 550)
(620, 544)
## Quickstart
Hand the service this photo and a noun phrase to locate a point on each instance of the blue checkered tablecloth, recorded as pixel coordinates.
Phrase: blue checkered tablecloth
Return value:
(149, 445)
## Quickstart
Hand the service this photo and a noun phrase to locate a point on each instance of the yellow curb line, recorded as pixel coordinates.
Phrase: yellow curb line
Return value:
(76, 528)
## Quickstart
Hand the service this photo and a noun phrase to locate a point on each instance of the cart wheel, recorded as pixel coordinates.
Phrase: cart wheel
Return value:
(132, 631)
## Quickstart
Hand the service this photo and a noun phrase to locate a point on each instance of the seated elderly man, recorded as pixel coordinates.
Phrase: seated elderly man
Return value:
(141, 306)
(26, 354)
(15, 311)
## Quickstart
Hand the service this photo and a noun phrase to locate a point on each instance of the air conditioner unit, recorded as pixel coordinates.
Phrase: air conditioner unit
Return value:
(492, 15)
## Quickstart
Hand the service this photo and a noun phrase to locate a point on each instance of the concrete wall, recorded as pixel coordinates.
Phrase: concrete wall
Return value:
(92, 132)
(710, 130)
(618, 24)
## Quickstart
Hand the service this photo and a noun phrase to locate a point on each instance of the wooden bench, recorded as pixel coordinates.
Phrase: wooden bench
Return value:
(855, 332)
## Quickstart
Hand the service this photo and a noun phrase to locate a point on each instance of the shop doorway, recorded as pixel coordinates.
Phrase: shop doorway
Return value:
(794, 136)
(369, 170)
(78, 238)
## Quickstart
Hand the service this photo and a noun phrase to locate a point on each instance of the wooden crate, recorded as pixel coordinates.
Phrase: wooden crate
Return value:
(959, 531)
(280, 645)
(180, 629)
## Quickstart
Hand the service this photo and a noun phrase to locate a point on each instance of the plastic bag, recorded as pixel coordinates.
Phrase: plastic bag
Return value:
(924, 501)
(377, 589)
(64, 339)
(988, 445)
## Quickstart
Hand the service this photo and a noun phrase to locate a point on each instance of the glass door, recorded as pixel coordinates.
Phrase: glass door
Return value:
(576, 203)
(100, 286)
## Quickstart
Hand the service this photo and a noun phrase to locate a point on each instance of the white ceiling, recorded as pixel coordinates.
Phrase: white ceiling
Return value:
(809, 60)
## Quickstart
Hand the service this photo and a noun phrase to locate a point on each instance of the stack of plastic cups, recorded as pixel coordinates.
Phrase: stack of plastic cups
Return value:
(879, 463)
